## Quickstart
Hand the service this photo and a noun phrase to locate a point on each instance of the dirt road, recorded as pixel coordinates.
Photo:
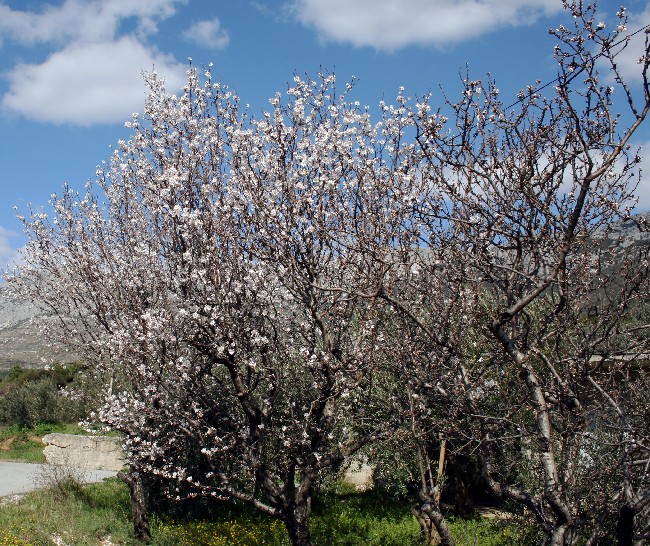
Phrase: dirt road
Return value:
(18, 478)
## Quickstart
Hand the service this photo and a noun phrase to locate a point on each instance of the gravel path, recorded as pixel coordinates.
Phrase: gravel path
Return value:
(18, 478)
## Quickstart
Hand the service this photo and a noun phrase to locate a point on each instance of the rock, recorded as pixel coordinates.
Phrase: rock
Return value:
(359, 476)
(10, 500)
(21, 342)
(96, 452)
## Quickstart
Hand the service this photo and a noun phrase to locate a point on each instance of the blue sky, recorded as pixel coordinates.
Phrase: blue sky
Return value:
(70, 70)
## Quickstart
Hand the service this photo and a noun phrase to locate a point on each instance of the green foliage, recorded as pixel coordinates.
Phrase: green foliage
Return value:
(91, 514)
(31, 403)
(32, 396)
(368, 519)
(64, 483)
(493, 532)
(60, 373)
(8, 538)
(241, 532)
(22, 446)
(83, 515)
(395, 465)
(337, 520)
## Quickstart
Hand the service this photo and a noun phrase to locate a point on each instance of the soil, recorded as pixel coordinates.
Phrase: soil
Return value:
(8, 443)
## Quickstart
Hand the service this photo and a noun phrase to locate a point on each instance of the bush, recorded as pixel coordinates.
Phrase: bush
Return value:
(63, 483)
(30, 404)
(30, 397)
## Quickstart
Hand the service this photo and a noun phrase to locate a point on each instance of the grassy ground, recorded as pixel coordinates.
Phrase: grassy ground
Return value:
(65, 512)
(98, 514)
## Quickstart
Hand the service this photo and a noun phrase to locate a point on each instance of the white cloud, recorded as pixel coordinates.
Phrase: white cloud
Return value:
(9, 255)
(88, 84)
(643, 189)
(83, 20)
(208, 34)
(393, 24)
(628, 60)
(92, 70)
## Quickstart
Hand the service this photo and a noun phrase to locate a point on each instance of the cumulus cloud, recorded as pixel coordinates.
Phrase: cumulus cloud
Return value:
(628, 59)
(88, 84)
(94, 53)
(208, 34)
(85, 20)
(9, 255)
(394, 24)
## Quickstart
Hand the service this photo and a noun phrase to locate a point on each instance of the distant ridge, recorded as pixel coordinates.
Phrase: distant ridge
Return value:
(21, 344)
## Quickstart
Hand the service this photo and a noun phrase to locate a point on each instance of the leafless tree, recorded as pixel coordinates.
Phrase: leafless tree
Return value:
(514, 301)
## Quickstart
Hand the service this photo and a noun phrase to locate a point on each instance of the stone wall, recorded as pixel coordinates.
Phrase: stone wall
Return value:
(96, 452)
(105, 453)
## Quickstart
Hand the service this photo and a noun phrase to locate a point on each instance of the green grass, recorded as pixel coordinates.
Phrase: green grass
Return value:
(239, 532)
(20, 444)
(368, 519)
(97, 513)
(77, 515)
(492, 532)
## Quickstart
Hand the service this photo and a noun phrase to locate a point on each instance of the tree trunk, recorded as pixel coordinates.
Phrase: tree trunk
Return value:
(133, 479)
(463, 475)
(464, 503)
(296, 520)
(433, 524)
(558, 535)
(625, 526)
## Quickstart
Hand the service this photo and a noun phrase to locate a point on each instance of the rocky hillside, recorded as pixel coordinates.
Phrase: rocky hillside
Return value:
(629, 234)
(20, 342)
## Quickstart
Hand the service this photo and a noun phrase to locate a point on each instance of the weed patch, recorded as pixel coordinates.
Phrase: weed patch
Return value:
(10, 539)
(99, 514)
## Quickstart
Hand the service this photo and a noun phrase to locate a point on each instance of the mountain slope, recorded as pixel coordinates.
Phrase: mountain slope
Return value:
(20, 341)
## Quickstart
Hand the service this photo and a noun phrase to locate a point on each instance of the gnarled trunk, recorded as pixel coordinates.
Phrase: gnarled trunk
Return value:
(133, 479)
(433, 524)
(296, 518)
(625, 526)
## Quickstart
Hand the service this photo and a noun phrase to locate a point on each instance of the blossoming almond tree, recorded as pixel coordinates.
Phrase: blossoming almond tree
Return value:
(512, 301)
(250, 287)
(195, 275)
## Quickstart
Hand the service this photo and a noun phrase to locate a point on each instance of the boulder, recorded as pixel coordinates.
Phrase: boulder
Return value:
(359, 476)
(96, 452)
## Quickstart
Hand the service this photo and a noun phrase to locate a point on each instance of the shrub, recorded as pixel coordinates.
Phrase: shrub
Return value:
(63, 482)
(30, 397)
